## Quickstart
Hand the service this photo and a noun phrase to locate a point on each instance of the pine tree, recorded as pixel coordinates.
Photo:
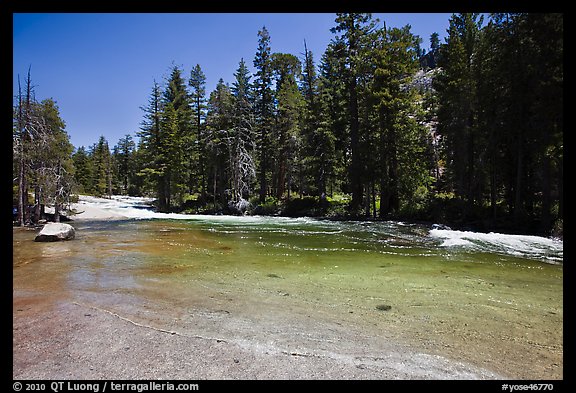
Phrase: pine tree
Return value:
(547, 40)
(399, 143)
(288, 116)
(103, 168)
(521, 54)
(154, 159)
(178, 138)
(263, 108)
(57, 166)
(218, 122)
(430, 60)
(168, 141)
(434, 49)
(171, 145)
(83, 173)
(318, 143)
(333, 125)
(500, 95)
(198, 97)
(123, 154)
(457, 114)
(354, 29)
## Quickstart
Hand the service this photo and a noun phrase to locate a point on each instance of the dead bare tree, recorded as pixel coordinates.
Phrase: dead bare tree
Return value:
(42, 153)
(28, 128)
(243, 169)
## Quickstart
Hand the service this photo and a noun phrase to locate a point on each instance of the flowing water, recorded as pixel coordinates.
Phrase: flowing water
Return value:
(491, 300)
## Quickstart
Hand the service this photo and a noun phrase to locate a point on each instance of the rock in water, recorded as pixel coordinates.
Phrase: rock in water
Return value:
(55, 231)
(239, 207)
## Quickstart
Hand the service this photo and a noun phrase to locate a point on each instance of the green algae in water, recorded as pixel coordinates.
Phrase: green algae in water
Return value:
(479, 301)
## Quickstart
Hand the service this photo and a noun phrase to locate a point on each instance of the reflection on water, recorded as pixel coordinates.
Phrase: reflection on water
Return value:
(491, 300)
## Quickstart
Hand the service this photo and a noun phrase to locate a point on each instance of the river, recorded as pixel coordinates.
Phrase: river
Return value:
(493, 302)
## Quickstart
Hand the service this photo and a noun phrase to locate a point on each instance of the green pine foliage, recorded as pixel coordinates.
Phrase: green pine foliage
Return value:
(264, 111)
(197, 153)
(218, 122)
(500, 116)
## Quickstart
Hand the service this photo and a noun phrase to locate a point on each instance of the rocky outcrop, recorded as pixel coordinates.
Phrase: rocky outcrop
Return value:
(423, 80)
(55, 231)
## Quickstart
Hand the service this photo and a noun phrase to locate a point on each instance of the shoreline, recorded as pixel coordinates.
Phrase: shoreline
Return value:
(93, 213)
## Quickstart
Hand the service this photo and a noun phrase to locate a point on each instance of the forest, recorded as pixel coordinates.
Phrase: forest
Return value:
(468, 134)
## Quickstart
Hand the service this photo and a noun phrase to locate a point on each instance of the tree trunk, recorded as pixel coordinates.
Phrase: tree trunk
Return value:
(57, 196)
(263, 168)
(384, 196)
(56, 212)
(373, 199)
(162, 193)
(518, 189)
(393, 173)
(21, 192)
(355, 169)
(493, 185)
(37, 200)
(25, 203)
(545, 220)
(322, 179)
(20, 213)
(281, 175)
(168, 191)
(367, 202)
(470, 165)
(109, 176)
(214, 185)
(561, 189)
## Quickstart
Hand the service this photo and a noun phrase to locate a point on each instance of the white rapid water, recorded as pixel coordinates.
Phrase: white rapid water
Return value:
(140, 208)
(535, 247)
(118, 207)
(532, 247)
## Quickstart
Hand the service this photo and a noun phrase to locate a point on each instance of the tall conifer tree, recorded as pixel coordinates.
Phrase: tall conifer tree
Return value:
(263, 108)
(198, 99)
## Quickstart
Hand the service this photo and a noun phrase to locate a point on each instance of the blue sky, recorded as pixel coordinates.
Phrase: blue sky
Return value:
(100, 68)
